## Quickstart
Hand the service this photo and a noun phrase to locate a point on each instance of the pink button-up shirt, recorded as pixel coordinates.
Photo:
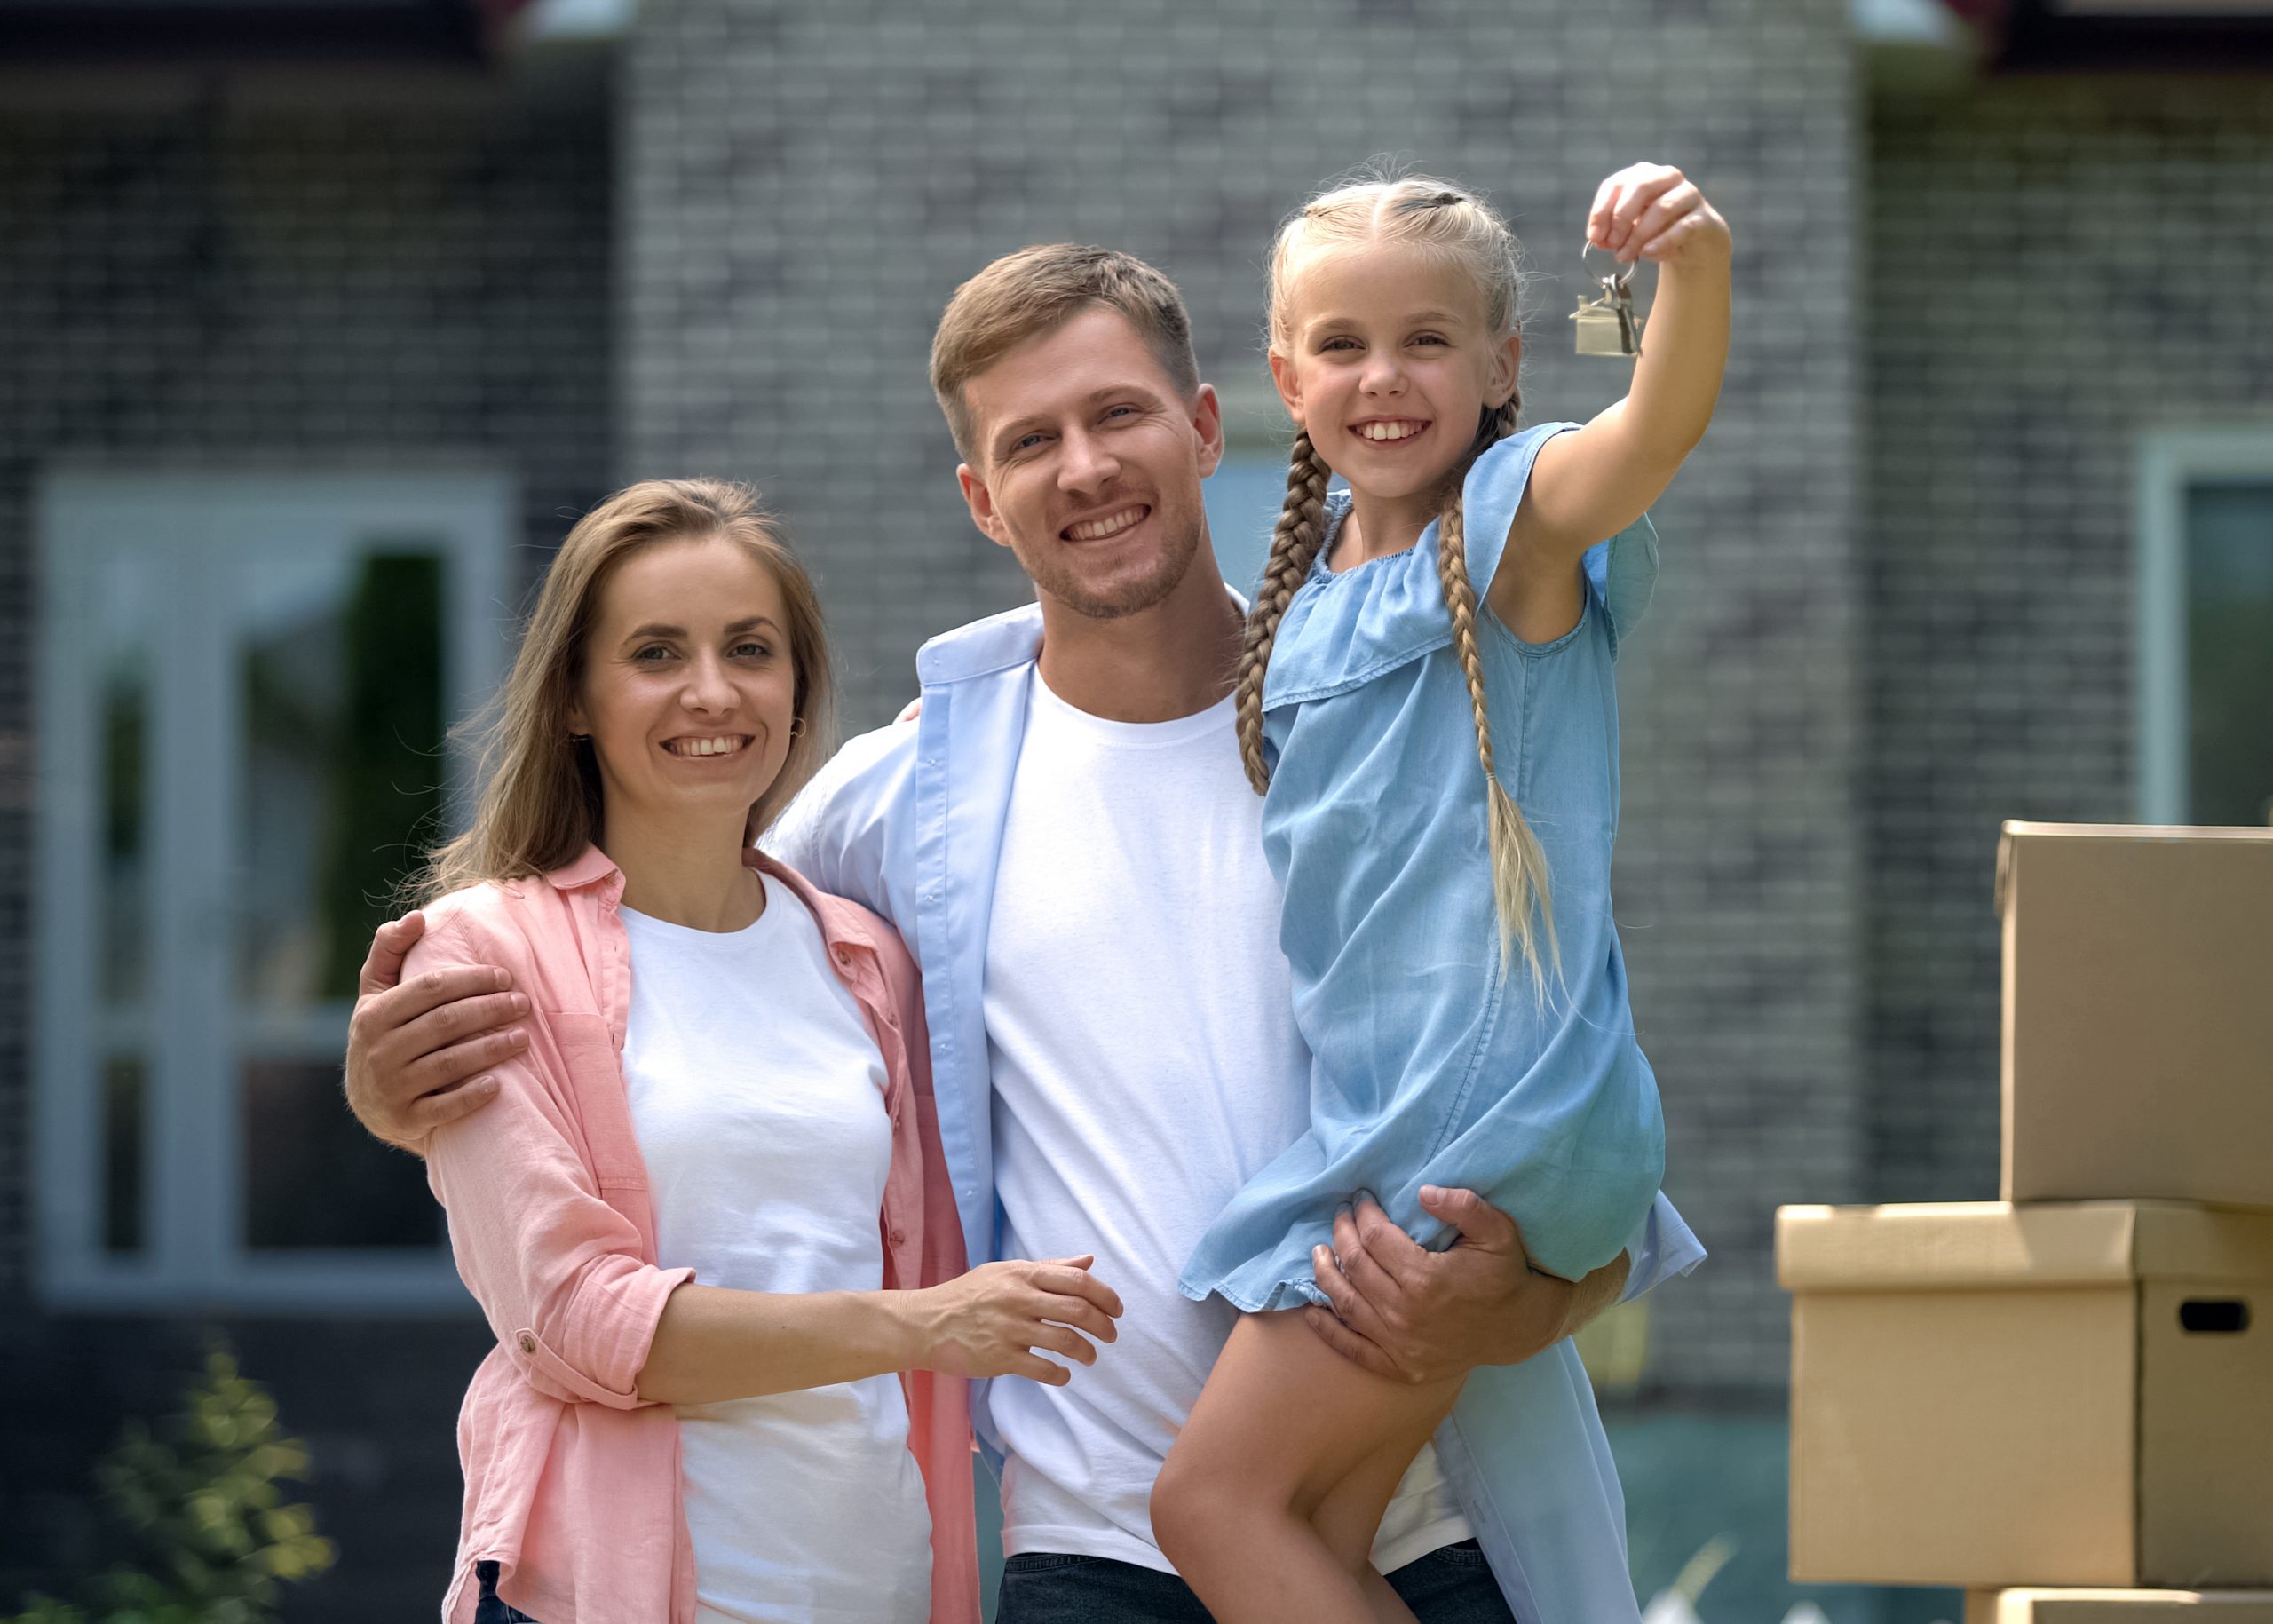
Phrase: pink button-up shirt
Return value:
(571, 1480)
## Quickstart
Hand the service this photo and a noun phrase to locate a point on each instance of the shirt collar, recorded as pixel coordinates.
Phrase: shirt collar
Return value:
(589, 867)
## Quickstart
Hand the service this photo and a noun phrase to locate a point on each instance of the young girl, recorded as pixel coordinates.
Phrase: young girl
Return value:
(1457, 973)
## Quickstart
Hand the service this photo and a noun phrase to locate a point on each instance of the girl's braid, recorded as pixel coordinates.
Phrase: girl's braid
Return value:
(1518, 864)
(1302, 525)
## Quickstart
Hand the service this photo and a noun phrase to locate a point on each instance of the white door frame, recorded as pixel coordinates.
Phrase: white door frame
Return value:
(196, 522)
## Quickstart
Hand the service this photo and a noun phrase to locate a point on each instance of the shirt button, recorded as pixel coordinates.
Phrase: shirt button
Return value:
(844, 956)
(528, 1342)
(899, 1237)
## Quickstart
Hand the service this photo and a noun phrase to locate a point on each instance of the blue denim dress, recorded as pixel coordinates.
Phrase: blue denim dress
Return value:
(1430, 1066)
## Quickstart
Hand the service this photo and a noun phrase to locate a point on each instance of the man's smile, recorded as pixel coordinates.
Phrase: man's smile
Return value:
(1104, 525)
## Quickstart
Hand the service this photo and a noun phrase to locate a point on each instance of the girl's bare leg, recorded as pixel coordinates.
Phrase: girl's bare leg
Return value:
(1269, 1503)
(1350, 1516)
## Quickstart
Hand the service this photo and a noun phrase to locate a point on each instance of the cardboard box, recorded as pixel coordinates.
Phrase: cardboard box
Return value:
(1992, 1395)
(2138, 1045)
(2119, 1607)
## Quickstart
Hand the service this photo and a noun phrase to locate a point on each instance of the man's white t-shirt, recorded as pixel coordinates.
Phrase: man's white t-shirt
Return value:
(757, 1098)
(1141, 1030)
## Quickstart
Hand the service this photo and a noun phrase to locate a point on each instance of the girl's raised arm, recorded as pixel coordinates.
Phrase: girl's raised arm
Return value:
(1596, 480)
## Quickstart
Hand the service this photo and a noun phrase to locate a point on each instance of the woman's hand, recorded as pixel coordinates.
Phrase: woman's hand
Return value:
(999, 1319)
(1653, 211)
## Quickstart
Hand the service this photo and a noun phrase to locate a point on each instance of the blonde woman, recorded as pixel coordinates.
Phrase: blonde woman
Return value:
(705, 1213)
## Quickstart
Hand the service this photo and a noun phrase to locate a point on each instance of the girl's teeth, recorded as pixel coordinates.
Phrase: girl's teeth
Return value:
(1389, 431)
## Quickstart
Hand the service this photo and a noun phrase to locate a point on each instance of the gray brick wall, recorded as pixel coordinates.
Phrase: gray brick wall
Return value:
(804, 187)
(1896, 606)
(417, 272)
(2059, 266)
(242, 282)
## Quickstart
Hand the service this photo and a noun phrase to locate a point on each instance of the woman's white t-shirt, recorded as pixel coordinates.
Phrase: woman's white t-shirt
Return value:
(757, 1096)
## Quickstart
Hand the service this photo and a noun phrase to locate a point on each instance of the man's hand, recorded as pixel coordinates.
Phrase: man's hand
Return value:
(1413, 1315)
(411, 1048)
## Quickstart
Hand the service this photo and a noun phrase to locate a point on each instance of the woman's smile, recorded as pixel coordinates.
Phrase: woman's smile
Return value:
(725, 744)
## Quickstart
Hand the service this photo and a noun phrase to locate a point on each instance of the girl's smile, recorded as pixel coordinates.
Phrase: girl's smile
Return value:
(1388, 430)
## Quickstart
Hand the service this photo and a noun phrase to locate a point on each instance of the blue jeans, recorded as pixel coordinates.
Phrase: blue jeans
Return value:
(489, 1609)
(1450, 1586)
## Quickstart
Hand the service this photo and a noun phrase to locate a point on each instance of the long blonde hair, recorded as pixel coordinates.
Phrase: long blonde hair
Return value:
(539, 790)
(1467, 233)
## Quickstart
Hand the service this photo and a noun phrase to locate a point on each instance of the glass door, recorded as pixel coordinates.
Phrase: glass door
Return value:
(248, 685)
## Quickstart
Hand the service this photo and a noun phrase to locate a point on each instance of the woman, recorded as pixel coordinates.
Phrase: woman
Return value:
(727, 1072)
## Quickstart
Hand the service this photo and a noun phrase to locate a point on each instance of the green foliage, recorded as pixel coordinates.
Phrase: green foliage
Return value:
(198, 1513)
(386, 758)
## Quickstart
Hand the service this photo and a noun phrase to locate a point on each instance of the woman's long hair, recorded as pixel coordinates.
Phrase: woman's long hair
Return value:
(1463, 229)
(538, 790)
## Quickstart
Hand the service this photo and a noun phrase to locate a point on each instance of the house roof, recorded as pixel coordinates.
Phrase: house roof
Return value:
(157, 32)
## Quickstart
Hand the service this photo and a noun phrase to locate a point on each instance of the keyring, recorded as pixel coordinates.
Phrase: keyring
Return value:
(1622, 275)
(1607, 324)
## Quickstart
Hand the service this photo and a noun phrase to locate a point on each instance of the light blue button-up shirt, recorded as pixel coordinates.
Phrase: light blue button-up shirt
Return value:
(908, 821)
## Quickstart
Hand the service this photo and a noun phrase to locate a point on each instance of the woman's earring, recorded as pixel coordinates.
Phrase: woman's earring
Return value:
(797, 727)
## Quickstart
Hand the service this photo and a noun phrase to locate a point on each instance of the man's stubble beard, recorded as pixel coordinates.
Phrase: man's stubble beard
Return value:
(1132, 598)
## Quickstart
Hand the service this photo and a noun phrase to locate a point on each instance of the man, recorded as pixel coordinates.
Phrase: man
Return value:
(1066, 840)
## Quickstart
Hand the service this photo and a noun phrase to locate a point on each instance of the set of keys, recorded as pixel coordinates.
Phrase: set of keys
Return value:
(1607, 324)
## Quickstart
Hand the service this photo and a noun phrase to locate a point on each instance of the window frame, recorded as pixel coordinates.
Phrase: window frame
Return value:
(2169, 462)
(194, 1252)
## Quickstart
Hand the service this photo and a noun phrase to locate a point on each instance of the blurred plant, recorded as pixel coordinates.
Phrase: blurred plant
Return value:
(206, 1540)
(1676, 1604)
(1614, 1346)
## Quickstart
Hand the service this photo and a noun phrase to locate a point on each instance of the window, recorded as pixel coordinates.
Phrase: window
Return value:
(2206, 628)
(246, 687)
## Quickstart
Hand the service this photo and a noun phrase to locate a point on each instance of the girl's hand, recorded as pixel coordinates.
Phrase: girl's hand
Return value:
(1653, 211)
(991, 1321)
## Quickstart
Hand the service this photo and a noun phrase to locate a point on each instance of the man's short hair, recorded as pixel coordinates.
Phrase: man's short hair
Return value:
(1033, 293)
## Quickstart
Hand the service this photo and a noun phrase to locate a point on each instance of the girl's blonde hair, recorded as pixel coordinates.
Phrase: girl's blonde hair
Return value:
(1465, 232)
(539, 790)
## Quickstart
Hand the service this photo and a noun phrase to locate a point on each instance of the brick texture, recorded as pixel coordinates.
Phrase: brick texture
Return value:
(336, 279)
(804, 188)
(1896, 597)
(2059, 267)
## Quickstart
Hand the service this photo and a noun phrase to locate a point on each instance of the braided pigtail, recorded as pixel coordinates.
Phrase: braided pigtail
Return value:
(1519, 880)
(1293, 545)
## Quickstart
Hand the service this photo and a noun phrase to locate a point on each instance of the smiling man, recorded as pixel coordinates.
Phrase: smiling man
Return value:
(1066, 839)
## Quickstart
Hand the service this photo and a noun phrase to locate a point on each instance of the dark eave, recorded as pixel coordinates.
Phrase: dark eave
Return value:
(2123, 35)
(147, 32)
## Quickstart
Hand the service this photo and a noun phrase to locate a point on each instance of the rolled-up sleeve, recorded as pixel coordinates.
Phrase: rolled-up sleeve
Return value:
(560, 1273)
(1661, 1246)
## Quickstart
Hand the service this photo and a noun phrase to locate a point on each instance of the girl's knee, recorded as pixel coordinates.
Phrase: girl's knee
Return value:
(1193, 1508)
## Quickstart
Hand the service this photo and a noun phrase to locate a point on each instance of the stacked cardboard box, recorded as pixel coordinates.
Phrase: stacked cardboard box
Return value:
(2071, 1387)
(2119, 1607)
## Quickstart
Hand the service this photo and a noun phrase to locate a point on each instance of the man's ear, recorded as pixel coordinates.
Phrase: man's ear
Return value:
(1507, 370)
(980, 501)
(1208, 422)
(1289, 386)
